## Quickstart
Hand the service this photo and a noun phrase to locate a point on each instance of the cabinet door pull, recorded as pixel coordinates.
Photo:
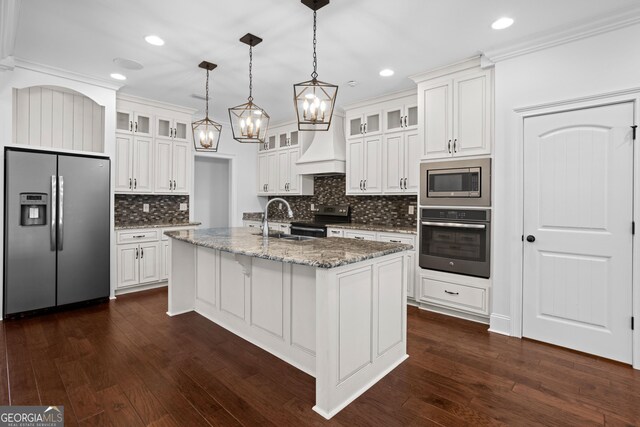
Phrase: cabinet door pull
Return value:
(401, 183)
(136, 253)
(361, 184)
(141, 253)
(174, 184)
(395, 241)
(361, 128)
(365, 185)
(365, 128)
(135, 183)
(451, 293)
(455, 142)
(139, 236)
(136, 126)
(358, 237)
(130, 125)
(130, 184)
(405, 183)
(449, 146)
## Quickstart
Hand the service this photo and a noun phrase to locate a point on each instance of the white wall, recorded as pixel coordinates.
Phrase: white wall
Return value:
(211, 196)
(600, 64)
(25, 76)
(244, 164)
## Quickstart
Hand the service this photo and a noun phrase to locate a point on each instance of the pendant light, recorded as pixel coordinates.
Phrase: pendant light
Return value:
(314, 100)
(206, 132)
(249, 123)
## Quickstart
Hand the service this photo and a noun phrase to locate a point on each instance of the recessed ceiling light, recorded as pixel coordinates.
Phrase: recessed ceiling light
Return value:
(386, 72)
(118, 76)
(154, 40)
(128, 64)
(502, 23)
(352, 83)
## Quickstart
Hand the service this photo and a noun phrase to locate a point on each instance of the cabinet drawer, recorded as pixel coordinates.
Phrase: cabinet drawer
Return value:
(395, 238)
(137, 236)
(335, 232)
(252, 224)
(360, 235)
(454, 295)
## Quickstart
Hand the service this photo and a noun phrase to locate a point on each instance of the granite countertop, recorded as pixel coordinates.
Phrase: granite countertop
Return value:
(322, 252)
(163, 225)
(375, 227)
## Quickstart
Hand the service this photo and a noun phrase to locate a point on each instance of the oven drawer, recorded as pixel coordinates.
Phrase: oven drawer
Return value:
(454, 295)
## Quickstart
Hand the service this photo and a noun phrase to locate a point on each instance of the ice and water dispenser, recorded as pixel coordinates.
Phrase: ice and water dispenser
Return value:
(33, 208)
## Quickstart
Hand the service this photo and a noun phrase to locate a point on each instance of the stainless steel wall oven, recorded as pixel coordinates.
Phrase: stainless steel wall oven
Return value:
(456, 240)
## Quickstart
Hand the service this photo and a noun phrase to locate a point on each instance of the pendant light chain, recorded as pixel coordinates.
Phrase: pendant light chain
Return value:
(250, 74)
(314, 75)
(206, 111)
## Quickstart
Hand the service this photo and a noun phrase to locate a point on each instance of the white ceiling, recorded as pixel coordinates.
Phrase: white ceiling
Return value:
(356, 38)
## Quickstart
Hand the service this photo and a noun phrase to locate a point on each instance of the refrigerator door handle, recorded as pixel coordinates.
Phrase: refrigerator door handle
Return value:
(54, 191)
(61, 213)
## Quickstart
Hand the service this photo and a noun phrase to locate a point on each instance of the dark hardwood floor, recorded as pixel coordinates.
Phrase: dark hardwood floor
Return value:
(126, 363)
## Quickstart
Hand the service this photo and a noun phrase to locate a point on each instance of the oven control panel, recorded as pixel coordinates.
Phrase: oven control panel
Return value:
(456, 214)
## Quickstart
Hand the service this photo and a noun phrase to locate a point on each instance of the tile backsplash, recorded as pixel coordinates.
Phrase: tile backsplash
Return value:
(162, 209)
(330, 190)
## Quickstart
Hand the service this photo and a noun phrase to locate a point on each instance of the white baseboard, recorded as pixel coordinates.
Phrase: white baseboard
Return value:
(454, 313)
(500, 324)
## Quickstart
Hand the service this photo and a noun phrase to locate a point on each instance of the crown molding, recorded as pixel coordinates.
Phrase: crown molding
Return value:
(70, 75)
(463, 65)
(618, 20)
(383, 98)
(153, 103)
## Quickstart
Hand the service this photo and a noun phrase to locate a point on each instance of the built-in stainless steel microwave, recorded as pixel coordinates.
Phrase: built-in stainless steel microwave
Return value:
(456, 183)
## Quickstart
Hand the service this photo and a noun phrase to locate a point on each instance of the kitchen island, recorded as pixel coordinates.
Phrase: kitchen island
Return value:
(334, 308)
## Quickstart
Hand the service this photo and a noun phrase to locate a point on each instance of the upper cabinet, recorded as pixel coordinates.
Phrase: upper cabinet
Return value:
(133, 122)
(456, 114)
(154, 149)
(383, 149)
(361, 123)
(277, 169)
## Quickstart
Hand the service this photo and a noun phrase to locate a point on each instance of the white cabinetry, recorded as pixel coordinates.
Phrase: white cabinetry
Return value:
(364, 165)
(133, 164)
(277, 170)
(409, 239)
(383, 158)
(152, 159)
(142, 256)
(455, 113)
(173, 166)
(455, 294)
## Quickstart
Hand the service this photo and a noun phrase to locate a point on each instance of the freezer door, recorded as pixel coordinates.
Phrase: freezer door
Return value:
(83, 232)
(29, 250)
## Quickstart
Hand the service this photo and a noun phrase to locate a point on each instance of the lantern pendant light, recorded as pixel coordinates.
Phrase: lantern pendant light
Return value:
(206, 132)
(314, 100)
(249, 123)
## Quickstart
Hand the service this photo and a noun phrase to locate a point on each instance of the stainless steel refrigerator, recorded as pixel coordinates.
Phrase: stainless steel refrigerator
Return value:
(56, 230)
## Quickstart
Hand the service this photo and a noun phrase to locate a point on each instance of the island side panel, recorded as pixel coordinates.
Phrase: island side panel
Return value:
(264, 302)
(360, 328)
(182, 280)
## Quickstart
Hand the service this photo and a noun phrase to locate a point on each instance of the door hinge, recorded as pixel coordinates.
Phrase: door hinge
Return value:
(632, 323)
(523, 237)
(633, 227)
(634, 127)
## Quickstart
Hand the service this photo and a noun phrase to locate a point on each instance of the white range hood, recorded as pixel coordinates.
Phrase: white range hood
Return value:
(327, 153)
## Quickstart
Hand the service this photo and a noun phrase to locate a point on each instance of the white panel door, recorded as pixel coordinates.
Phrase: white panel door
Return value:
(123, 176)
(355, 166)
(127, 265)
(164, 179)
(373, 164)
(149, 262)
(143, 165)
(393, 156)
(436, 118)
(412, 162)
(181, 165)
(471, 123)
(578, 206)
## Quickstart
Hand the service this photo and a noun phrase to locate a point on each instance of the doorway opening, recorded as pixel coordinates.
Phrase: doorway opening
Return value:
(212, 191)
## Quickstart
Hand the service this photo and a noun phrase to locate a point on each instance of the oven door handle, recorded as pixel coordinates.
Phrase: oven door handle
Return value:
(293, 227)
(455, 225)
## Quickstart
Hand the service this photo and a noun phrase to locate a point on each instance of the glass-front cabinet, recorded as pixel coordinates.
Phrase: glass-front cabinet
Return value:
(401, 117)
(132, 122)
(368, 123)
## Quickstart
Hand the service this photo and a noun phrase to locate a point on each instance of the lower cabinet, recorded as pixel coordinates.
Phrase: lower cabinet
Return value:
(454, 293)
(409, 239)
(142, 256)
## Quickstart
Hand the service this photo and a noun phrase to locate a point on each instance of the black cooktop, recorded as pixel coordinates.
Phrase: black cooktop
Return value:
(327, 214)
